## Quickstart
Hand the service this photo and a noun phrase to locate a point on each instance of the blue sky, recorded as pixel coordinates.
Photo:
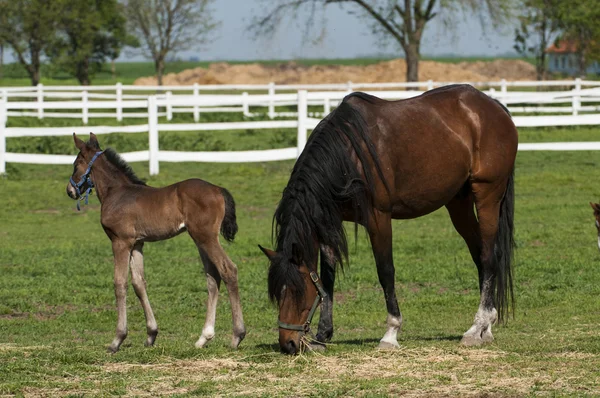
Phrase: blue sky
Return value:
(346, 36)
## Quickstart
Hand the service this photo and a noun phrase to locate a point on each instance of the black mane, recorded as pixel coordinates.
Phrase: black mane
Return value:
(324, 179)
(116, 160)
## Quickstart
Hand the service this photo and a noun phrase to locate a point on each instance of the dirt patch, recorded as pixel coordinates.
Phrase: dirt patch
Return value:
(387, 71)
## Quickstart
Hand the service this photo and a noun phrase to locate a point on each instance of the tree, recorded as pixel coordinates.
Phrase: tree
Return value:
(90, 32)
(537, 24)
(402, 20)
(578, 20)
(166, 27)
(29, 28)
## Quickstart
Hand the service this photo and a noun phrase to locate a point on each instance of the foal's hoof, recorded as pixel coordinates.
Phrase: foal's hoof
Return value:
(112, 350)
(151, 339)
(470, 340)
(236, 340)
(386, 345)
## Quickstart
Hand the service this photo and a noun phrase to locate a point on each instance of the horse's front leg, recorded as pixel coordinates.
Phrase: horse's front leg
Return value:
(380, 233)
(325, 330)
(122, 253)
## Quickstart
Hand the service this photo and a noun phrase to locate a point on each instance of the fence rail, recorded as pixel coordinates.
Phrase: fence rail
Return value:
(302, 122)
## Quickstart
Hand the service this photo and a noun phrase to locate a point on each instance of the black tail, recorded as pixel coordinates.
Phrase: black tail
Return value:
(229, 225)
(503, 252)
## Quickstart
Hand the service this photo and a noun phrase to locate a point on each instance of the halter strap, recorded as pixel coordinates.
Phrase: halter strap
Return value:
(85, 177)
(321, 295)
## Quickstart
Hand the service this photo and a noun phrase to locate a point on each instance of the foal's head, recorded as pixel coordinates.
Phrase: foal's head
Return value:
(79, 183)
(596, 207)
(291, 286)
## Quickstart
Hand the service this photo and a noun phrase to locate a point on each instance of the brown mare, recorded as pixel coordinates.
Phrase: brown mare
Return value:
(133, 213)
(371, 161)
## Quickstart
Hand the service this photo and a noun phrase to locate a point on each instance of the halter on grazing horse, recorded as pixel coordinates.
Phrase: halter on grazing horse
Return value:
(133, 213)
(371, 161)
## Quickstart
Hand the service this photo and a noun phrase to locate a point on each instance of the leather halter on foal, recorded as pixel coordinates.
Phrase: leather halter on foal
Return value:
(85, 177)
(318, 300)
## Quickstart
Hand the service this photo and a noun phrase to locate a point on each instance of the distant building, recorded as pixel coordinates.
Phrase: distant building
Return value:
(562, 58)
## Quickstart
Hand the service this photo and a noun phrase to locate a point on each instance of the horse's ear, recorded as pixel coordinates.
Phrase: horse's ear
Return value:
(595, 206)
(94, 141)
(269, 253)
(79, 144)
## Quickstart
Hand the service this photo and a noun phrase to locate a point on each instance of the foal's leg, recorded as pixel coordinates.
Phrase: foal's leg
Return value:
(121, 252)
(228, 272)
(139, 286)
(380, 232)
(488, 210)
(325, 331)
(213, 280)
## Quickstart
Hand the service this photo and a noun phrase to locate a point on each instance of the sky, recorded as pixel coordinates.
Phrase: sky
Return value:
(346, 36)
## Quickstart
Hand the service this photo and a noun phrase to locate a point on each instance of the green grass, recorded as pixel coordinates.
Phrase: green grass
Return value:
(57, 305)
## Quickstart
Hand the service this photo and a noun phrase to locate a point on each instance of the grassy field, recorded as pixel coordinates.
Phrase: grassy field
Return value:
(57, 305)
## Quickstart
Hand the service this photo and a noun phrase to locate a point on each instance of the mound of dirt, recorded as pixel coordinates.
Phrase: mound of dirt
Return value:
(387, 71)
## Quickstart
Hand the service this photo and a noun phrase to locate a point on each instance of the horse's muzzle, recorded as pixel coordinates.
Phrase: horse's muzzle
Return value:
(71, 191)
(289, 348)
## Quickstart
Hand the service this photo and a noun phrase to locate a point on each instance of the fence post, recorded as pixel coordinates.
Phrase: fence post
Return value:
(429, 85)
(153, 135)
(271, 100)
(302, 115)
(84, 107)
(349, 86)
(503, 88)
(576, 101)
(119, 102)
(326, 106)
(196, 108)
(169, 106)
(3, 118)
(245, 106)
(40, 100)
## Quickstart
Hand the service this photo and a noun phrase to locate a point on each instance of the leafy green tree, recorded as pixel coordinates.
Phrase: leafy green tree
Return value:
(579, 22)
(538, 23)
(29, 27)
(90, 32)
(165, 27)
(404, 21)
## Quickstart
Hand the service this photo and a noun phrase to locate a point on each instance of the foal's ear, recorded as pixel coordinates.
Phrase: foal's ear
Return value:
(269, 253)
(79, 144)
(595, 206)
(94, 141)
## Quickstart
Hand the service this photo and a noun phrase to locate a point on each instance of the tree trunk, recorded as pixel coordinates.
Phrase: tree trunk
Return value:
(159, 66)
(412, 62)
(83, 72)
(1, 61)
(113, 69)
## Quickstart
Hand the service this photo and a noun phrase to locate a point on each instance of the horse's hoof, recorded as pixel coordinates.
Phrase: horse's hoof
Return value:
(112, 350)
(475, 340)
(316, 346)
(236, 340)
(151, 338)
(386, 345)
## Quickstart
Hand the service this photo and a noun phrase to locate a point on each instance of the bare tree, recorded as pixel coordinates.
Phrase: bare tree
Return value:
(165, 27)
(1, 60)
(402, 20)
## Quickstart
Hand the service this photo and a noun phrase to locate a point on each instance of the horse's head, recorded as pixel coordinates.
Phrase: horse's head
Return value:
(80, 183)
(596, 207)
(296, 288)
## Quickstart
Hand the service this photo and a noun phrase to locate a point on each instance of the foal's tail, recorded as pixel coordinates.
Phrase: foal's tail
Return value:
(503, 252)
(229, 225)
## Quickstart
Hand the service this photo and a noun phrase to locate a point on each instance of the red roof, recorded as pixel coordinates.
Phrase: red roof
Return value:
(562, 47)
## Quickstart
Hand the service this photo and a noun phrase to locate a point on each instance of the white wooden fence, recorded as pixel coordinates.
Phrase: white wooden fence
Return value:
(44, 101)
(302, 123)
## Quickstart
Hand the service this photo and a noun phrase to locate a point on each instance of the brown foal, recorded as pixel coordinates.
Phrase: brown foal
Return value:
(133, 213)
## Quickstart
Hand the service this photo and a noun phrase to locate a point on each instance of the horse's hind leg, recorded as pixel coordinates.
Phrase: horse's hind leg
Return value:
(380, 233)
(487, 202)
(139, 286)
(213, 280)
(228, 272)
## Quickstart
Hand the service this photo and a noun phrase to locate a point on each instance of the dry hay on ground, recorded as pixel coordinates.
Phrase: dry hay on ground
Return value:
(388, 71)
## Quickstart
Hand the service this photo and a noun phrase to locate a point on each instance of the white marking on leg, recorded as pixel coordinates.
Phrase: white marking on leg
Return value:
(598, 241)
(481, 330)
(208, 331)
(390, 338)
